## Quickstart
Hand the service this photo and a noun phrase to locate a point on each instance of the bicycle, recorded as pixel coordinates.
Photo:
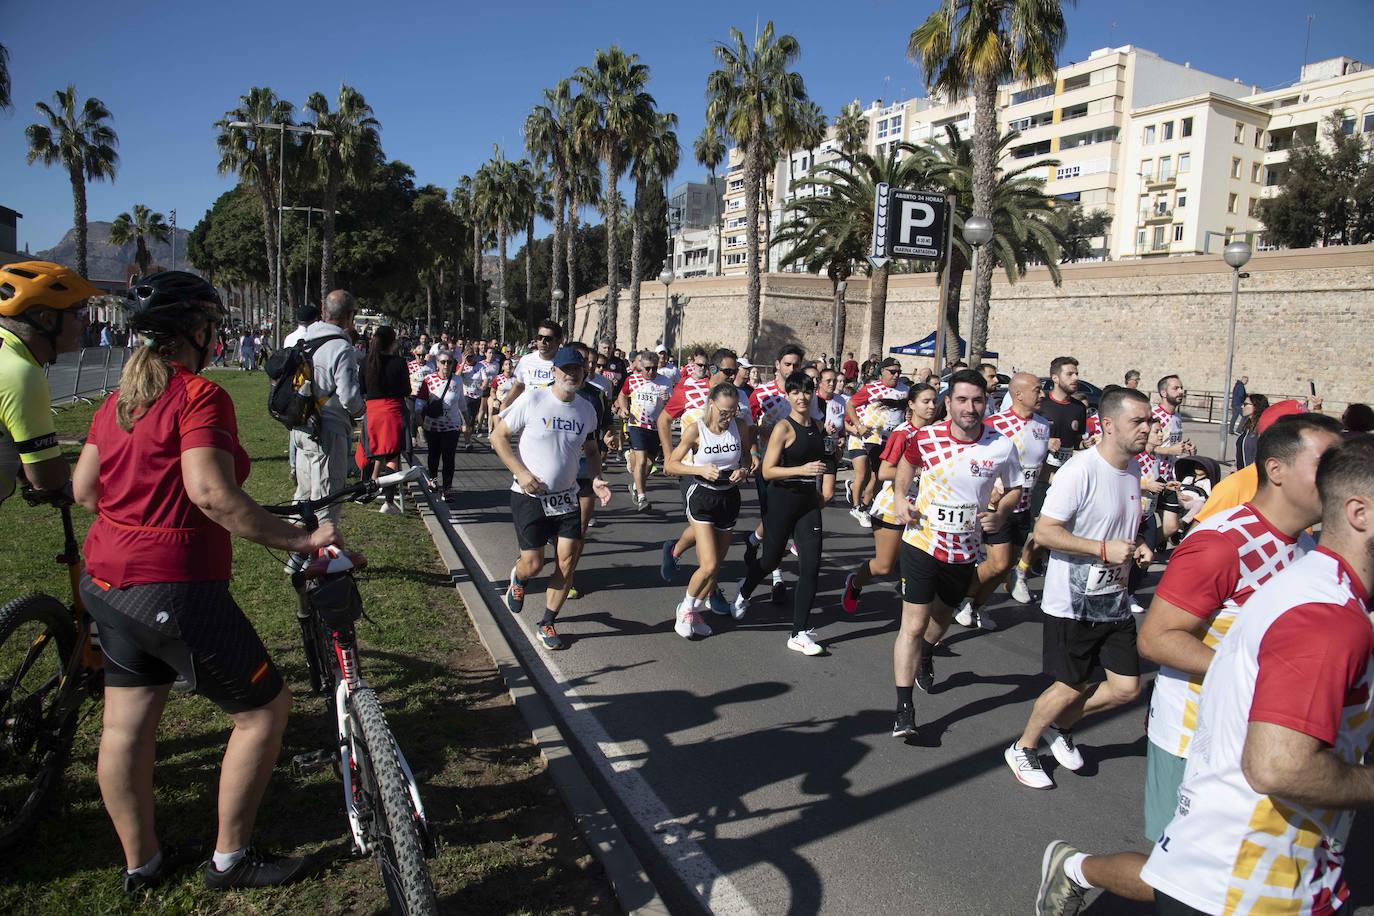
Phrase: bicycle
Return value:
(385, 814)
(50, 664)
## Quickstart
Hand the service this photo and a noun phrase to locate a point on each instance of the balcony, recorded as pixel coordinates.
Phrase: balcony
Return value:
(1160, 182)
(1157, 215)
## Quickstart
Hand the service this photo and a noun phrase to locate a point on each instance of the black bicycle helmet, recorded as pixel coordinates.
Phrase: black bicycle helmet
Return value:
(172, 301)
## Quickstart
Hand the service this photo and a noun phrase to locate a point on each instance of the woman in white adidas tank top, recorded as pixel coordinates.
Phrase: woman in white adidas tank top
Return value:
(715, 453)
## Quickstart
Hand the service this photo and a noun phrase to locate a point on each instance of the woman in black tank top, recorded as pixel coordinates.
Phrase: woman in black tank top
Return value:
(800, 469)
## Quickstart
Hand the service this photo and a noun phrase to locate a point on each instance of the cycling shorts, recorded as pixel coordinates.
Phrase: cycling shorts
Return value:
(150, 634)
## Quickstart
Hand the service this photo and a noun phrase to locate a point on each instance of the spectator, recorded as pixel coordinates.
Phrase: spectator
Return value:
(1358, 418)
(322, 464)
(1132, 379)
(444, 422)
(870, 367)
(850, 368)
(306, 315)
(106, 340)
(248, 351)
(1247, 440)
(386, 383)
(1238, 401)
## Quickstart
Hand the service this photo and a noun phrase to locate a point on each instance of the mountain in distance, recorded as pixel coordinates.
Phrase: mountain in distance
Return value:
(105, 261)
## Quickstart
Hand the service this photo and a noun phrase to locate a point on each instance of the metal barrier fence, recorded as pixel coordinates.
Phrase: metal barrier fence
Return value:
(86, 374)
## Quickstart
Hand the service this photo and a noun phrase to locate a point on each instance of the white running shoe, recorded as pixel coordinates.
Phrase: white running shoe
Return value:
(683, 626)
(1065, 751)
(966, 614)
(849, 492)
(1020, 591)
(740, 604)
(1025, 766)
(1135, 606)
(865, 520)
(387, 508)
(804, 643)
(858, 515)
(699, 626)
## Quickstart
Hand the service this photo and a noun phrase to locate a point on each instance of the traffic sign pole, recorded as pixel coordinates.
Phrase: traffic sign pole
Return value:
(944, 289)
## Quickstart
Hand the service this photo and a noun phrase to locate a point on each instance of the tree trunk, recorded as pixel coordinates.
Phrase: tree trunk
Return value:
(636, 268)
(720, 224)
(572, 268)
(612, 306)
(556, 249)
(531, 318)
(877, 309)
(752, 173)
(477, 276)
(837, 336)
(78, 178)
(767, 204)
(984, 180)
(460, 317)
(501, 278)
(952, 308)
(429, 303)
(269, 234)
(331, 197)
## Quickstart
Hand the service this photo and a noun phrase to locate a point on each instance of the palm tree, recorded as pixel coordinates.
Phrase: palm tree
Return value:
(746, 93)
(79, 137)
(709, 150)
(851, 128)
(249, 152)
(536, 199)
(144, 224)
(584, 188)
(497, 194)
(656, 159)
(1026, 227)
(549, 137)
(468, 197)
(6, 103)
(832, 228)
(973, 45)
(348, 156)
(615, 109)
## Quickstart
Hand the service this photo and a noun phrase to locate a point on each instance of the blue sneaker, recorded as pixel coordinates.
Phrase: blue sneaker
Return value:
(515, 594)
(668, 568)
(718, 603)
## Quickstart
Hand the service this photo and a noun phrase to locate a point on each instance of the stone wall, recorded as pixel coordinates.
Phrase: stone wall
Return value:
(1302, 315)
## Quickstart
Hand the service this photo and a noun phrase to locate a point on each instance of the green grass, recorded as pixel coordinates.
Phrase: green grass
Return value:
(506, 844)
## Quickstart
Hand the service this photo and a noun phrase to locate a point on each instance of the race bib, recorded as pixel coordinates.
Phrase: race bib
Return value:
(952, 518)
(1058, 457)
(1028, 478)
(1105, 580)
(560, 503)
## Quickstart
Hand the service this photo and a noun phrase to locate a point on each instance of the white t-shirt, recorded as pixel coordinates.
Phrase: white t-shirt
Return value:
(290, 339)
(474, 380)
(1097, 502)
(534, 371)
(552, 433)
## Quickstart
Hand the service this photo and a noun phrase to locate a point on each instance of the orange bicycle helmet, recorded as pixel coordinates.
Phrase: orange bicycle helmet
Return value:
(41, 284)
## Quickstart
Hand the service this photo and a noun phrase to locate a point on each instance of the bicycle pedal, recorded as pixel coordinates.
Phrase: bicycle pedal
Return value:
(312, 762)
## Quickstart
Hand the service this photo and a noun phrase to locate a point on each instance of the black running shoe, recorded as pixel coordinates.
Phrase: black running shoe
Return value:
(174, 858)
(905, 726)
(255, 869)
(925, 673)
(779, 592)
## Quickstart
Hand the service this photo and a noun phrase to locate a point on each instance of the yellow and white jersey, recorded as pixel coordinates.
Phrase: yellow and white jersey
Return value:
(957, 478)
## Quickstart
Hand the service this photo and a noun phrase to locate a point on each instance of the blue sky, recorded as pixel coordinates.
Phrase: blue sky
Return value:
(448, 80)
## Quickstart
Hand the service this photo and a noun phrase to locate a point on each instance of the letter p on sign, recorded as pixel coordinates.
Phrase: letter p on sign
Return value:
(915, 215)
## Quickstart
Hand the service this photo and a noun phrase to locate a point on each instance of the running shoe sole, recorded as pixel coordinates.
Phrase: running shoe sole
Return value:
(1051, 869)
(513, 604)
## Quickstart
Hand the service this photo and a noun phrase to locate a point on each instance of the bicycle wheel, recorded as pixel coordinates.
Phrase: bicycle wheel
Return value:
(37, 638)
(394, 829)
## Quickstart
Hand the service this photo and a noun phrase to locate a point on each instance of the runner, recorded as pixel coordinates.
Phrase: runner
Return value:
(586, 495)
(887, 530)
(1206, 588)
(645, 393)
(768, 405)
(869, 420)
(1068, 419)
(473, 377)
(1031, 435)
(800, 469)
(535, 369)
(959, 461)
(1171, 394)
(715, 454)
(1090, 522)
(555, 428)
(831, 401)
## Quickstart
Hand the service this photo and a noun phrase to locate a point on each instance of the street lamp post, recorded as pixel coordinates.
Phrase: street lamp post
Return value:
(282, 129)
(666, 278)
(1236, 255)
(837, 338)
(558, 305)
(309, 211)
(977, 233)
(503, 322)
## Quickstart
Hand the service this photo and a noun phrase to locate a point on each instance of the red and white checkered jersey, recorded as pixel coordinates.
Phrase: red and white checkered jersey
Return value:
(1148, 463)
(768, 405)
(1173, 435)
(689, 399)
(1300, 657)
(872, 412)
(1031, 435)
(647, 395)
(884, 506)
(1093, 429)
(957, 478)
(1212, 575)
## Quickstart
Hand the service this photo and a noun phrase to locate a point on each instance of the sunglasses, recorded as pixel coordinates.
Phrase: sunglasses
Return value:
(700, 367)
(549, 337)
(446, 362)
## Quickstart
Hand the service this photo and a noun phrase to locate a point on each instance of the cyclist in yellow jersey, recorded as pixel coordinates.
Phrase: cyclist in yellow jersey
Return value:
(42, 314)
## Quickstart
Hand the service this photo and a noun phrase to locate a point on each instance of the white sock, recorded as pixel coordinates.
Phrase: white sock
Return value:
(149, 868)
(777, 576)
(1073, 867)
(688, 600)
(223, 861)
(696, 603)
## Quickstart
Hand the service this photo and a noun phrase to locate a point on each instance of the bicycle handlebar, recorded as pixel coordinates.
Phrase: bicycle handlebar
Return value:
(359, 491)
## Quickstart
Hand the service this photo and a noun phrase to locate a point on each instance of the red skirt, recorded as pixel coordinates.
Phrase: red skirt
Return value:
(385, 430)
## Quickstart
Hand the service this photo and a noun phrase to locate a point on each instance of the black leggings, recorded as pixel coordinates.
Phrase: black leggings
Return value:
(795, 513)
(443, 443)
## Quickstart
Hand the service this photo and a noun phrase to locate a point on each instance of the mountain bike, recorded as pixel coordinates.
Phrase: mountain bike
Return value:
(385, 814)
(50, 664)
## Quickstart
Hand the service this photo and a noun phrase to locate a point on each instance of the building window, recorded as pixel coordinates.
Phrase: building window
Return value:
(1159, 237)
(1166, 165)
(1140, 239)
(1178, 232)
(1185, 127)
(1030, 95)
(1253, 207)
(1182, 200)
(1259, 138)
(1240, 132)
(1347, 124)
(1077, 82)
(1067, 171)
(1255, 172)
(1166, 130)
(1185, 162)
(1235, 168)
(1149, 134)
(1232, 201)
(1368, 123)
(1147, 169)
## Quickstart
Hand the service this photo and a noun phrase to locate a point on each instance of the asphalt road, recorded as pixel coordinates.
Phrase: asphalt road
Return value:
(763, 781)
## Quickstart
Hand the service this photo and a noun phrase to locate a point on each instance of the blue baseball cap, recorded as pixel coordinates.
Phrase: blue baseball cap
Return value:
(567, 356)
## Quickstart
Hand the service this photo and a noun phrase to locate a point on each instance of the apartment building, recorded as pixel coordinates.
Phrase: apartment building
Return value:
(694, 210)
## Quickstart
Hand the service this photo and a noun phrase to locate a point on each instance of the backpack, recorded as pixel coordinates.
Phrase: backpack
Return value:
(292, 399)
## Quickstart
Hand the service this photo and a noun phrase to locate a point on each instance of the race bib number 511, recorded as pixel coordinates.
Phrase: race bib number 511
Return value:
(952, 518)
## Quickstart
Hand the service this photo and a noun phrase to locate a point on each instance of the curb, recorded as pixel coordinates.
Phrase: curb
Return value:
(633, 888)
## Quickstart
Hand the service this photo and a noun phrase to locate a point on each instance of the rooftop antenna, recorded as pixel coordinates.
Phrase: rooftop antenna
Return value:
(1307, 45)
(1111, 35)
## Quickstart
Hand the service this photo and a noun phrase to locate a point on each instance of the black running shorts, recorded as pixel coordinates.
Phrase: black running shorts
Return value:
(1168, 502)
(717, 508)
(646, 440)
(1015, 531)
(925, 579)
(1073, 648)
(150, 634)
(534, 530)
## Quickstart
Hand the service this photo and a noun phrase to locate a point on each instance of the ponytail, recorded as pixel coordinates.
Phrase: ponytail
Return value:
(144, 379)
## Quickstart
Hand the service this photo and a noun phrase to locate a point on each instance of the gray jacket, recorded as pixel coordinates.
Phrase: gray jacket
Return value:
(336, 376)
